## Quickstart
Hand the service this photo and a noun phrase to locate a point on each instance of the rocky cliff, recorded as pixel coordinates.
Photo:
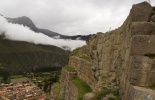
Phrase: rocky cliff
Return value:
(119, 64)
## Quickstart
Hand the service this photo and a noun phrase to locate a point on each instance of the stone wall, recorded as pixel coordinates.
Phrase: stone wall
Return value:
(125, 55)
(121, 55)
(69, 90)
(83, 69)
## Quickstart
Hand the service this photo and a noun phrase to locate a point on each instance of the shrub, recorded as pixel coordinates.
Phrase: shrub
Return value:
(116, 92)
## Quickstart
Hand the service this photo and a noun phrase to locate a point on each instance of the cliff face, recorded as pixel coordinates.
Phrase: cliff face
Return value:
(122, 61)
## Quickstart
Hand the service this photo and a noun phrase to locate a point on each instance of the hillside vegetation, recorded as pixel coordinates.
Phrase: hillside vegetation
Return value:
(26, 57)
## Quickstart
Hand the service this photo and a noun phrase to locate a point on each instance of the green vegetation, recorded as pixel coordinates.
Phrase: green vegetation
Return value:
(103, 93)
(56, 88)
(6, 80)
(19, 56)
(44, 80)
(115, 92)
(85, 57)
(77, 53)
(70, 68)
(106, 91)
(82, 87)
(5, 76)
(16, 76)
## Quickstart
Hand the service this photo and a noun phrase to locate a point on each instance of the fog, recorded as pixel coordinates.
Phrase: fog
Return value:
(18, 32)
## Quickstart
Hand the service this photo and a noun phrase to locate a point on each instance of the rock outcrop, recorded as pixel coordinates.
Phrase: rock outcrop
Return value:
(122, 64)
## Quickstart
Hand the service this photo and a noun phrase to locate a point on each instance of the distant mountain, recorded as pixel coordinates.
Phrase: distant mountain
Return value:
(29, 23)
(20, 57)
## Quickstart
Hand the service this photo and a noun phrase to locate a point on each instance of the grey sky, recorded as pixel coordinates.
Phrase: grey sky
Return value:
(71, 17)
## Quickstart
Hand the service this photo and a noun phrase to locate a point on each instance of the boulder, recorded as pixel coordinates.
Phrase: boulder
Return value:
(141, 12)
(89, 96)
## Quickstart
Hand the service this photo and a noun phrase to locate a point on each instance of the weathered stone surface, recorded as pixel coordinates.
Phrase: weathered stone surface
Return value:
(119, 57)
(84, 70)
(89, 96)
(140, 93)
(142, 44)
(143, 28)
(142, 69)
(69, 90)
(141, 12)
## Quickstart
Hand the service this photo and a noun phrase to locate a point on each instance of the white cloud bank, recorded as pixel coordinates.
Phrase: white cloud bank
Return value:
(21, 33)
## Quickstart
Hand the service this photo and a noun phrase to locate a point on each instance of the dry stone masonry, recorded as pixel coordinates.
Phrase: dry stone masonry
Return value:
(121, 59)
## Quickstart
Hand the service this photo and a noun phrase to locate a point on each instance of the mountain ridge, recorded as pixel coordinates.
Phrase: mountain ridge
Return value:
(26, 21)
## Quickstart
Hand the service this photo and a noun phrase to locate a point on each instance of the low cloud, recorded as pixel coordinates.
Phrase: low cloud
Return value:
(71, 17)
(18, 32)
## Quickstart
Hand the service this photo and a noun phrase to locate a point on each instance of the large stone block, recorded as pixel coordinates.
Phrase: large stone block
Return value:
(89, 96)
(141, 93)
(142, 68)
(142, 44)
(141, 12)
(142, 28)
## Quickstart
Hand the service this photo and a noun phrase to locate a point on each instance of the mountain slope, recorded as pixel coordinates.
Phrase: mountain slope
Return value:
(26, 57)
(29, 23)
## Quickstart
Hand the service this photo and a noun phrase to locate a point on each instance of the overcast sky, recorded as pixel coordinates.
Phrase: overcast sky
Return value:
(71, 17)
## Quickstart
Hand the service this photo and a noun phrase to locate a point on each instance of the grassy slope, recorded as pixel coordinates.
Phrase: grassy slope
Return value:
(82, 87)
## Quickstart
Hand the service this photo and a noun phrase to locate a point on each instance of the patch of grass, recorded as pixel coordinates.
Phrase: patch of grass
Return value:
(16, 76)
(82, 87)
(76, 51)
(106, 91)
(85, 57)
(70, 68)
(56, 88)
